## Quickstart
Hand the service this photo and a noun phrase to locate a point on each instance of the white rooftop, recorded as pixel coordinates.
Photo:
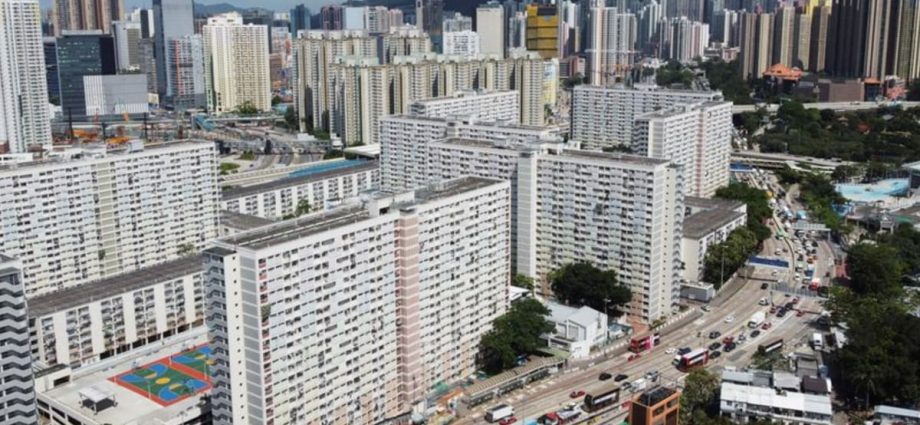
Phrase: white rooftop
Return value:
(788, 400)
(583, 316)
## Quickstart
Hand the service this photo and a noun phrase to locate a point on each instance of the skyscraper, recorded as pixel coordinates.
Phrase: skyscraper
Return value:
(331, 17)
(817, 51)
(684, 40)
(543, 30)
(783, 32)
(75, 15)
(24, 119)
(16, 379)
(80, 54)
(490, 25)
(300, 19)
(429, 17)
(173, 19)
(186, 76)
(127, 36)
(236, 64)
(611, 44)
(906, 58)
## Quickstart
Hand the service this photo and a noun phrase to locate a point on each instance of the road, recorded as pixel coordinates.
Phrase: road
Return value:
(552, 394)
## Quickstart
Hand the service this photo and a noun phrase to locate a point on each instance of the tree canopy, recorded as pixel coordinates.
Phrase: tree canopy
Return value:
(758, 206)
(515, 333)
(584, 284)
(701, 387)
(522, 281)
(725, 258)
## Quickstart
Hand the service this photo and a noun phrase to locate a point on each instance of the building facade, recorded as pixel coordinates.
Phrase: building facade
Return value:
(402, 287)
(72, 222)
(281, 198)
(706, 223)
(187, 73)
(236, 64)
(24, 117)
(484, 105)
(80, 15)
(490, 25)
(81, 54)
(127, 36)
(658, 406)
(611, 45)
(114, 96)
(172, 19)
(461, 43)
(16, 379)
(604, 116)
(85, 324)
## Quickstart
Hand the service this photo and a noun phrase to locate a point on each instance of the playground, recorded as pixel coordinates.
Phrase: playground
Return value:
(170, 379)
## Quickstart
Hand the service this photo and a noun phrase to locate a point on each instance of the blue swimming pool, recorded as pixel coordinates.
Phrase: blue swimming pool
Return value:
(326, 166)
(873, 192)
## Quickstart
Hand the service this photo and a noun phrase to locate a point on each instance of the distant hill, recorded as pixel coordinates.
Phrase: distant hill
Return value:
(202, 10)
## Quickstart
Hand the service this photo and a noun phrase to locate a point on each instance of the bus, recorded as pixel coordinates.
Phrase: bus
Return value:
(638, 345)
(595, 402)
(692, 360)
(770, 347)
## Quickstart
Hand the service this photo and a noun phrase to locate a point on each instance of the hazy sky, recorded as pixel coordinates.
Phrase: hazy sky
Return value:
(314, 5)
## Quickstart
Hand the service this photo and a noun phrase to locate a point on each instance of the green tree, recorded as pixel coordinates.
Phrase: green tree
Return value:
(186, 249)
(303, 207)
(584, 284)
(725, 258)
(873, 269)
(276, 100)
(699, 396)
(334, 153)
(247, 108)
(843, 173)
(758, 206)
(290, 118)
(515, 333)
(522, 281)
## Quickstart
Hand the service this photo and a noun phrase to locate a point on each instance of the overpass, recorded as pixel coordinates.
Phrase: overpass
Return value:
(836, 106)
(774, 161)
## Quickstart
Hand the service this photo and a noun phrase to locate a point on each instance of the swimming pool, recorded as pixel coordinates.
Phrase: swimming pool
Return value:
(873, 192)
(327, 166)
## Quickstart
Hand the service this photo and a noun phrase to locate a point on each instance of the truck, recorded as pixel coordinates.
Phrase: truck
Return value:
(499, 412)
(757, 319)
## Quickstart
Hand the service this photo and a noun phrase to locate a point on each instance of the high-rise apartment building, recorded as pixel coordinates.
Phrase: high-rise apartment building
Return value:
(756, 43)
(477, 105)
(618, 212)
(696, 136)
(24, 117)
(657, 406)
(461, 43)
(611, 45)
(603, 117)
(542, 34)
(377, 20)
(236, 64)
(405, 40)
(172, 19)
(332, 18)
(187, 75)
(457, 22)
(80, 54)
(353, 314)
(16, 381)
(784, 43)
(71, 222)
(817, 51)
(405, 143)
(570, 26)
(77, 15)
(429, 17)
(490, 25)
(365, 91)
(648, 23)
(684, 40)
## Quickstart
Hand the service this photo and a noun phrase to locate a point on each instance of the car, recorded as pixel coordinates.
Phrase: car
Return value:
(764, 285)
(620, 377)
(755, 333)
(508, 421)
(706, 308)
(626, 387)
(576, 394)
(715, 355)
(800, 313)
(787, 295)
(763, 301)
(670, 350)
(604, 376)
(728, 340)
(729, 347)
(742, 338)
(633, 357)
(684, 350)
(781, 313)
(714, 334)
(795, 300)
(772, 309)
(715, 346)
(729, 319)
(652, 375)
(766, 325)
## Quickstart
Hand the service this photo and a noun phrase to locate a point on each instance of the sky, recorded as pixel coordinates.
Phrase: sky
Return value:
(314, 5)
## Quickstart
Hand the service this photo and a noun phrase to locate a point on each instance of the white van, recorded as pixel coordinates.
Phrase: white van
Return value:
(499, 412)
(817, 341)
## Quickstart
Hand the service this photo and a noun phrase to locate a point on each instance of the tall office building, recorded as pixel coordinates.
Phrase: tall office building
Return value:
(127, 35)
(611, 45)
(402, 287)
(569, 28)
(354, 18)
(905, 60)
(300, 19)
(24, 117)
(517, 31)
(187, 75)
(784, 23)
(145, 18)
(429, 17)
(16, 381)
(490, 25)
(695, 136)
(648, 24)
(313, 56)
(817, 51)
(331, 18)
(80, 54)
(77, 15)
(71, 222)
(172, 19)
(236, 64)
(604, 117)
(684, 40)
(756, 43)
(457, 22)
(51, 70)
(365, 91)
(542, 32)
(618, 212)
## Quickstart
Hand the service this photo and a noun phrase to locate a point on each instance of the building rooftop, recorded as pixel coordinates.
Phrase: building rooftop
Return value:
(351, 168)
(111, 286)
(897, 411)
(94, 151)
(235, 220)
(710, 203)
(705, 222)
(132, 407)
(348, 213)
(472, 120)
(787, 400)
(655, 396)
(619, 157)
(583, 316)
(811, 384)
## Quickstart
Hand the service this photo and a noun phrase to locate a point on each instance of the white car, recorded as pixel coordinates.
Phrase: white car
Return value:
(671, 350)
(729, 319)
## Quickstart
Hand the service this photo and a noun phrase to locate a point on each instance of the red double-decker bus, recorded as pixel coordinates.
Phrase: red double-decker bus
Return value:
(692, 360)
(638, 345)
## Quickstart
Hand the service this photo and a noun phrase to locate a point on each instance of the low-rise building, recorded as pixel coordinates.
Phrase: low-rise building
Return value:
(707, 222)
(780, 397)
(314, 188)
(577, 329)
(890, 415)
(100, 319)
(657, 406)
